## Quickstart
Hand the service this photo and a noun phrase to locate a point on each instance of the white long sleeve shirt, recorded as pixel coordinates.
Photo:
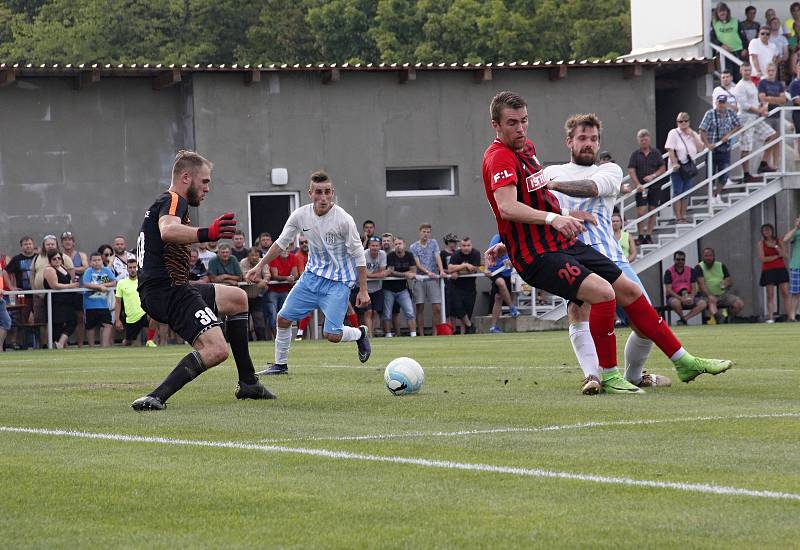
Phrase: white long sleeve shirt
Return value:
(608, 178)
(334, 245)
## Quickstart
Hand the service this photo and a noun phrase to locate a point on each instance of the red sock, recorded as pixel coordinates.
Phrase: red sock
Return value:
(353, 320)
(151, 333)
(642, 314)
(304, 323)
(601, 326)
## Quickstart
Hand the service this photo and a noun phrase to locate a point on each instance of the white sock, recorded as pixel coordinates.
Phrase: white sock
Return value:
(637, 350)
(584, 348)
(350, 334)
(299, 332)
(678, 354)
(283, 339)
(413, 333)
(389, 335)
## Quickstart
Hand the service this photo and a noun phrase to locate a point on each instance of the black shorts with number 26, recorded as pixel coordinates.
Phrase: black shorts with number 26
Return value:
(561, 273)
(189, 309)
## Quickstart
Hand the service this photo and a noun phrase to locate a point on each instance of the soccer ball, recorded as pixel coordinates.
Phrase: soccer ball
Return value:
(403, 375)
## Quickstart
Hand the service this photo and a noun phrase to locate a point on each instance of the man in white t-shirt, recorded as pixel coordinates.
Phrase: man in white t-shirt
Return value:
(750, 109)
(762, 52)
(725, 88)
(335, 262)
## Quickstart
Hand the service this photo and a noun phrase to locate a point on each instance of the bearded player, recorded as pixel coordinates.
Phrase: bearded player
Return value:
(191, 310)
(541, 243)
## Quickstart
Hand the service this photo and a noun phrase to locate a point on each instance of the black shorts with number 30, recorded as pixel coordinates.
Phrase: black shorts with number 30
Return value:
(189, 310)
(561, 273)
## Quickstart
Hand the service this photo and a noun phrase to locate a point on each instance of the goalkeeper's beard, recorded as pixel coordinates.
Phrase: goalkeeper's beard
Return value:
(192, 196)
(584, 158)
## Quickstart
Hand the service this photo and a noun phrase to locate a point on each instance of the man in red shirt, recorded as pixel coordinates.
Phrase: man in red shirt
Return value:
(282, 269)
(540, 241)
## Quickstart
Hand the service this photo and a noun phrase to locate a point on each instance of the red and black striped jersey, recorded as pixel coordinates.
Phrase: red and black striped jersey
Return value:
(502, 166)
(160, 262)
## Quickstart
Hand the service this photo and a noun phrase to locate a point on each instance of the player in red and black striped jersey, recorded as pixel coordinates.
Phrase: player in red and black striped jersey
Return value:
(541, 244)
(191, 310)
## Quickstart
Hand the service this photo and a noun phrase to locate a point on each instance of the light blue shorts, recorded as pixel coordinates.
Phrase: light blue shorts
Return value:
(631, 274)
(312, 292)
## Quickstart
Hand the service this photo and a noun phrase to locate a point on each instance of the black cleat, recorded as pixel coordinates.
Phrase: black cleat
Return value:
(148, 403)
(252, 391)
(470, 330)
(274, 369)
(364, 348)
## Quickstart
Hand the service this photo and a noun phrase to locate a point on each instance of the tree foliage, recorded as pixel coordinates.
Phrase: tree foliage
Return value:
(311, 31)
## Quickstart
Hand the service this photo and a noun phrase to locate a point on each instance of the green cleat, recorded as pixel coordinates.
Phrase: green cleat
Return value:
(690, 367)
(613, 382)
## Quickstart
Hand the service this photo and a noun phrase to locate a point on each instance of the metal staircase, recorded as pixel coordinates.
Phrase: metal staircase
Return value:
(705, 216)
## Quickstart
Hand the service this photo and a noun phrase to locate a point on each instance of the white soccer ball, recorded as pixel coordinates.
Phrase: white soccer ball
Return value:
(403, 375)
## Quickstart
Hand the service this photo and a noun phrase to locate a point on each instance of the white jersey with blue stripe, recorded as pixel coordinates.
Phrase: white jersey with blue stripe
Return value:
(608, 178)
(334, 245)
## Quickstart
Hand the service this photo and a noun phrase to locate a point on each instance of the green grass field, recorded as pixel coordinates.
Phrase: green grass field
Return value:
(497, 451)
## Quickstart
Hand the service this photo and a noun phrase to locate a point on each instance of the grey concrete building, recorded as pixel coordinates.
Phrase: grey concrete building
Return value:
(88, 149)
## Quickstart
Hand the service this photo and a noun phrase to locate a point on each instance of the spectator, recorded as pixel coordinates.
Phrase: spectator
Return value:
(769, 15)
(49, 243)
(788, 26)
(794, 27)
(19, 272)
(725, 88)
(762, 52)
(101, 280)
(771, 92)
(107, 254)
(777, 38)
(56, 277)
(464, 261)
(626, 242)
(224, 269)
(714, 282)
(301, 257)
(205, 254)
(197, 270)
(80, 261)
(644, 166)
(264, 242)
(682, 145)
(716, 128)
(283, 270)
(127, 295)
(793, 237)
(500, 274)
(450, 242)
(604, 157)
(368, 228)
(256, 298)
(426, 253)
(794, 98)
(749, 26)
(238, 250)
(119, 262)
(772, 253)
(681, 289)
(399, 263)
(376, 270)
(387, 243)
(750, 109)
(726, 33)
(5, 318)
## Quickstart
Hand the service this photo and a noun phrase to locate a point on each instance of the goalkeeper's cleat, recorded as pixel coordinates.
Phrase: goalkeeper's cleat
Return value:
(653, 380)
(613, 382)
(148, 403)
(364, 347)
(690, 367)
(591, 385)
(150, 344)
(252, 391)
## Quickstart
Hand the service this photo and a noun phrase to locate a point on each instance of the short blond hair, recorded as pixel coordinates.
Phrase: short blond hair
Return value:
(583, 119)
(189, 161)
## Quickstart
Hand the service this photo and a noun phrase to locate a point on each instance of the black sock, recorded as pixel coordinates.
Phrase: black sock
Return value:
(187, 370)
(237, 336)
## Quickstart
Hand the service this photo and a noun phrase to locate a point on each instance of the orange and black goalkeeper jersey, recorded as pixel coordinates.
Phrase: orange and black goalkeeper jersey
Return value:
(160, 262)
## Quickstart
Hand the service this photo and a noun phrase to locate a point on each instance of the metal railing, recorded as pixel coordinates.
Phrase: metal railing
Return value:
(703, 159)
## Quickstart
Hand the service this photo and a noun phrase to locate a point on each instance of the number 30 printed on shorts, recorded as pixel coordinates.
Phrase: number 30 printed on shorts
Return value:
(569, 272)
(206, 316)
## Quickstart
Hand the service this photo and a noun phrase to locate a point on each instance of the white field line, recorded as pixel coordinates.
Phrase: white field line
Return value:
(554, 428)
(424, 462)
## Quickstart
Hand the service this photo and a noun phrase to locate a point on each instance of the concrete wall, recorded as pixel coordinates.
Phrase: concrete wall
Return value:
(85, 161)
